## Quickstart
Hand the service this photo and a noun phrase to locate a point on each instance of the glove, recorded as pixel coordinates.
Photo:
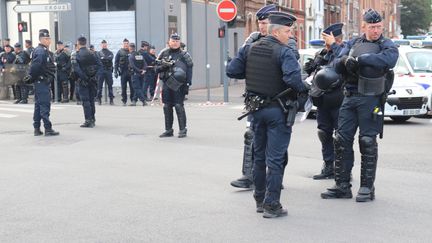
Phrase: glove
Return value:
(309, 66)
(28, 79)
(116, 75)
(351, 65)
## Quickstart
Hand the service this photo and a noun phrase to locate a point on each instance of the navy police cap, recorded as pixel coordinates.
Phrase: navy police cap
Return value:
(44, 33)
(263, 12)
(336, 29)
(281, 18)
(17, 45)
(175, 36)
(371, 16)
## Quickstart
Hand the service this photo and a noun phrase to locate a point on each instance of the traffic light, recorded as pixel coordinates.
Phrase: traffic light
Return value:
(22, 26)
(221, 32)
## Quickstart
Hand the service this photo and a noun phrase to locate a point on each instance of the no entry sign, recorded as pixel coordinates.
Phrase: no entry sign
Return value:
(226, 10)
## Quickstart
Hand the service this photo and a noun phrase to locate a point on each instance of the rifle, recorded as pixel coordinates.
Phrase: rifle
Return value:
(276, 98)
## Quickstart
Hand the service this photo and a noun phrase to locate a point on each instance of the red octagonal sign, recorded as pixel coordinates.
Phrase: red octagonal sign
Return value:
(226, 10)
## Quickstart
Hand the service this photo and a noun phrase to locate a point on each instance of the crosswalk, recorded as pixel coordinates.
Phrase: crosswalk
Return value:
(9, 110)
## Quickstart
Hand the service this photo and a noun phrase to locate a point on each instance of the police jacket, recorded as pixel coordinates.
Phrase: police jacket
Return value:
(150, 60)
(30, 50)
(87, 65)
(183, 60)
(106, 57)
(137, 64)
(121, 59)
(63, 61)
(42, 63)
(22, 57)
(6, 58)
(384, 60)
(284, 59)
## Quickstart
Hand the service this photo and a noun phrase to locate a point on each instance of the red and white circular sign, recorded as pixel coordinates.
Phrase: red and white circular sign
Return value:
(226, 10)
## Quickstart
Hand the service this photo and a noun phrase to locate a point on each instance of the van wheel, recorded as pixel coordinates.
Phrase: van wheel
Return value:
(400, 118)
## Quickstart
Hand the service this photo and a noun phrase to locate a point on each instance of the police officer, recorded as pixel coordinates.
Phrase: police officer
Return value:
(63, 70)
(137, 67)
(176, 73)
(29, 46)
(8, 57)
(270, 67)
(327, 95)
(149, 74)
(365, 64)
(6, 42)
(73, 77)
(87, 67)
(22, 58)
(121, 68)
(106, 57)
(246, 181)
(42, 71)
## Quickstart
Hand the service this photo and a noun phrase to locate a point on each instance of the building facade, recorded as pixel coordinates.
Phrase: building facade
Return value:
(314, 19)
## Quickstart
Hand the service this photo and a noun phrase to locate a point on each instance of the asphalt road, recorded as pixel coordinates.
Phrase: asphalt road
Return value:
(119, 182)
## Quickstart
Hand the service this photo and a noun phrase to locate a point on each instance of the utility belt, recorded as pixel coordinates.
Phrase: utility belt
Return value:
(44, 79)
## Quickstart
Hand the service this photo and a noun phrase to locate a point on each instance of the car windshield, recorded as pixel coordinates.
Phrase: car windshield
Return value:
(421, 62)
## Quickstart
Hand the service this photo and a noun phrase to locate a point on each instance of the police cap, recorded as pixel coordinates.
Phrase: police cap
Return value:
(144, 43)
(281, 18)
(372, 16)
(7, 39)
(17, 45)
(59, 42)
(28, 42)
(132, 45)
(152, 47)
(91, 46)
(336, 29)
(43, 33)
(103, 41)
(175, 36)
(263, 12)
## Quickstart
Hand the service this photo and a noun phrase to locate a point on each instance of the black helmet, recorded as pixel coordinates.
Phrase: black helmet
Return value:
(326, 78)
(179, 74)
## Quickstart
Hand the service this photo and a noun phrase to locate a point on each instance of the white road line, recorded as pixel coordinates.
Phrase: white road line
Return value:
(7, 115)
(17, 110)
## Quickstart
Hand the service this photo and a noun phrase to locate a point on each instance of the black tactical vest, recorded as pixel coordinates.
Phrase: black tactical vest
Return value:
(139, 60)
(123, 59)
(263, 69)
(87, 62)
(106, 57)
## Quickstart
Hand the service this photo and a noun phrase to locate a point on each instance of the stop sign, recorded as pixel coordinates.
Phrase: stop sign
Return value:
(226, 10)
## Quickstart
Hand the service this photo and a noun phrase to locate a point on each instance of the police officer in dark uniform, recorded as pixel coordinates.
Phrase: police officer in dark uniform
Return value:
(106, 57)
(8, 57)
(121, 68)
(63, 70)
(29, 47)
(327, 95)
(270, 67)
(42, 71)
(137, 67)
(87, 67)
(22, 58)
(246, 181)
(73, 77)
(176, 72)
(6, 42)
(149, 74)
(365, 63)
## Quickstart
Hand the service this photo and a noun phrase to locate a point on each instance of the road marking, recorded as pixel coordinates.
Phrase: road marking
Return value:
(7, 115)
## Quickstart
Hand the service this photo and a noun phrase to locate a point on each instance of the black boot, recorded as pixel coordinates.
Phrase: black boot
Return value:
(65, 87)
(99, 101)
(23, 102)
(111, 101)
(369, 151)
(327, 171)
(181, 116)
(87, 124)
(38, 132)
(342, 189)
(169, 119)
(243, 182)
(133, 103)
(51, 132)
(274, 210)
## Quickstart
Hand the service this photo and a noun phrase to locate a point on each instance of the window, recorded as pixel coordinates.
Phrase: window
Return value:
(111, 5)
(420, 61)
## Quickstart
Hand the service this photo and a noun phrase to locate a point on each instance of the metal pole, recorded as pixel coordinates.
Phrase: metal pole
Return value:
(206, 52)
(348, 18)
(189, 26)
(30, 25)
(225, 58)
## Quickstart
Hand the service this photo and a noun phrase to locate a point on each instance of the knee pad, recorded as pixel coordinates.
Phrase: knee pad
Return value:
(368, 145)
(340, 144)
(323, 136)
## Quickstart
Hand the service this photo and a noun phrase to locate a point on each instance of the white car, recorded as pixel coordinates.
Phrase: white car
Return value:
(415, 66)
